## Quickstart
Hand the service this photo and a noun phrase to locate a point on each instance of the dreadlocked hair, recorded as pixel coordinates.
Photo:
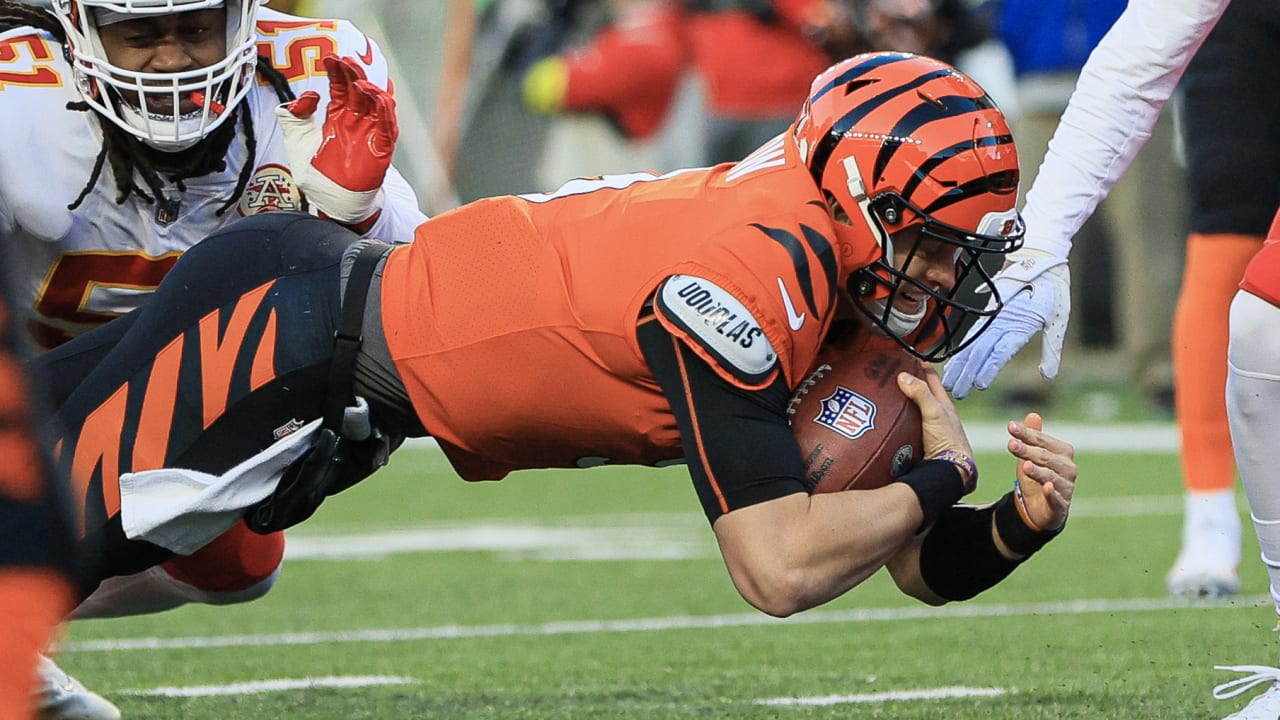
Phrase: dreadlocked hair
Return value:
(15, 14)
(127, 155)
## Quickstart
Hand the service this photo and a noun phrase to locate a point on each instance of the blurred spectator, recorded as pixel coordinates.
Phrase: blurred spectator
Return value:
(950, 30)
(755, 58)
(628, 72)
(621, 98)
(500, 145)
(1049, 41)
(749, 61)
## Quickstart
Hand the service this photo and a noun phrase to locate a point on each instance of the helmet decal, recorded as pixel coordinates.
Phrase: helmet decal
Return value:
(845, 126)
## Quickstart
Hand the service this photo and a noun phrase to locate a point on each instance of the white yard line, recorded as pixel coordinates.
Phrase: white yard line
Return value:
(580, 627)
(942, 693)
(269, 686)
(259, 687)
(1087, 437)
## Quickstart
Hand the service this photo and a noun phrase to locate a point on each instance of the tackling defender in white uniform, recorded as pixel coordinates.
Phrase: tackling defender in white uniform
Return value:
(103, 186)
(78, 268)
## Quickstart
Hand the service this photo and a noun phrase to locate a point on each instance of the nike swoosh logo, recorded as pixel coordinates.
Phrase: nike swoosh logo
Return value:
(367, 56)
(795, 321)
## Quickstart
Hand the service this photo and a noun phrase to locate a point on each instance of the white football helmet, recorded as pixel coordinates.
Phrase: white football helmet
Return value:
(121, 95)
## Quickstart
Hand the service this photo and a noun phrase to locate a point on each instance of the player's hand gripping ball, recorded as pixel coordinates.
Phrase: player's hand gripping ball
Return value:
(855, 428)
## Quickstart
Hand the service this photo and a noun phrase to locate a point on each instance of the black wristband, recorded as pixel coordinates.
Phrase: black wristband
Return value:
(959, 557)
(1015, 533)
(938, 484)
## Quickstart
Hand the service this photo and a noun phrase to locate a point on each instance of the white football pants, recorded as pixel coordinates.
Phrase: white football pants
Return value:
(1253, 408)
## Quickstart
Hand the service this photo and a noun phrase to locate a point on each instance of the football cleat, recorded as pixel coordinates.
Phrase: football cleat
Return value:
(1263, 707)
(1208, 564)
(58, 696)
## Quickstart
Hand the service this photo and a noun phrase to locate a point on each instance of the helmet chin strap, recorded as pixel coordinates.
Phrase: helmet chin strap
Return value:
(900, 324)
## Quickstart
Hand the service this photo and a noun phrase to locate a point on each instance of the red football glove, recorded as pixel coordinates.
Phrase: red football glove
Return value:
(342, 166)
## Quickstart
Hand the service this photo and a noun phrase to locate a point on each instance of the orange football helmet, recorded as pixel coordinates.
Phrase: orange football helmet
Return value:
(895, 141)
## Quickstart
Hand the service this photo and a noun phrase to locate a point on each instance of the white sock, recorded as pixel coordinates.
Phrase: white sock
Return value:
(1209, 507)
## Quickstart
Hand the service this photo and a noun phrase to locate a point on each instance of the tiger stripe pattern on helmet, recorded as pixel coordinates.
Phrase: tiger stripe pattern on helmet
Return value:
(895, 140)
(921, 106)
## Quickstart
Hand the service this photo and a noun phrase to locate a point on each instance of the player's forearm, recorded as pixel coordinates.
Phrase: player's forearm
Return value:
(801, 551)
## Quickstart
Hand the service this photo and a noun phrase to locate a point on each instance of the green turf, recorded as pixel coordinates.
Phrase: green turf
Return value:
(1147, 663)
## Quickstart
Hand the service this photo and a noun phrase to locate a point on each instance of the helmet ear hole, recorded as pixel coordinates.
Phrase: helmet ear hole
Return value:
(838, 213)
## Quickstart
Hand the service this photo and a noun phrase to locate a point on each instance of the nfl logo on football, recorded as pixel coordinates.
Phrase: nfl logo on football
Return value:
(848, 413)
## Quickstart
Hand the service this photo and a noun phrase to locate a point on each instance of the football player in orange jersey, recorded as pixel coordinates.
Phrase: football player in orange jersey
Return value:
(669, 316)
(37, 560)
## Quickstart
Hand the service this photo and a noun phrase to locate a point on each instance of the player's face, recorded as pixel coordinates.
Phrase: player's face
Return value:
(178, 42)
(927, 260)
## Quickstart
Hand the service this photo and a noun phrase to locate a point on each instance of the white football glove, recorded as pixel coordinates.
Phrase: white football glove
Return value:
(1036, 290)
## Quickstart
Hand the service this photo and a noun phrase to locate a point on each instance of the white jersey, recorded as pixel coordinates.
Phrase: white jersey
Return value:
(75, 269)
(1125, 83)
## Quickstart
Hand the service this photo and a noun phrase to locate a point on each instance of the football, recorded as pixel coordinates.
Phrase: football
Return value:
(855, 428)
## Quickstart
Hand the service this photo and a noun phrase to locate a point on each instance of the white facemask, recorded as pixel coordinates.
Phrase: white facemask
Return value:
(104, 86)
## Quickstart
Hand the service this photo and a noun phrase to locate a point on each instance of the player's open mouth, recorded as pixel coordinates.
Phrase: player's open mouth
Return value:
(908, 303)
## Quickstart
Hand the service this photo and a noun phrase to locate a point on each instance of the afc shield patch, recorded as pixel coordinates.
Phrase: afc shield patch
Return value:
(848, 413)
(271, 188)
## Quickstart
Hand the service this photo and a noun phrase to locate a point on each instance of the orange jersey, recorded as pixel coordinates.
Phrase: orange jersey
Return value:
(512, 321)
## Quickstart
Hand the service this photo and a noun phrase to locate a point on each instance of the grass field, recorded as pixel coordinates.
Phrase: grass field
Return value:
(599, 594)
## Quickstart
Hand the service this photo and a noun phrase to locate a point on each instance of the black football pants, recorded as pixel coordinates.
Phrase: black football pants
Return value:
(229, 356)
